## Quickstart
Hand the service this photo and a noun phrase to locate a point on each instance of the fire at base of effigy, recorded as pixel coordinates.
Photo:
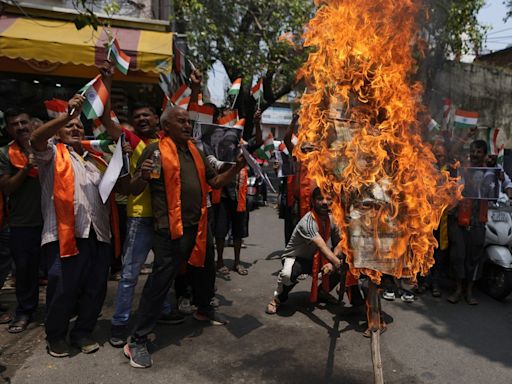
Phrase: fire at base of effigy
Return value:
(361, 112)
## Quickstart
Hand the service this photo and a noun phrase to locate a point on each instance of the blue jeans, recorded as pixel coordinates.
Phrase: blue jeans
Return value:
(138, 243)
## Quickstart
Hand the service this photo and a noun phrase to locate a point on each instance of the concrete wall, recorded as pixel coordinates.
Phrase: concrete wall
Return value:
(475, 87)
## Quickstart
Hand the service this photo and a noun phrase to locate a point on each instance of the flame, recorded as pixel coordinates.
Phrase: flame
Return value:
(360, 111)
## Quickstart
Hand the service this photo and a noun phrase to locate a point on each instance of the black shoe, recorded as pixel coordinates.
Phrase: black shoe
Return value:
(138, 354)
(86, 344)
(118, 335)
(171, 318)
(57, 348)
(211, 317)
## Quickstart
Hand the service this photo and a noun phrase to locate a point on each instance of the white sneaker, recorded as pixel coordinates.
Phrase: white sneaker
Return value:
(407, 297)
(388, 295)
(185, 306)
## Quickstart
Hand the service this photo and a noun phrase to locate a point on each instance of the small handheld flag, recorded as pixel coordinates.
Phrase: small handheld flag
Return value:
(201, 113)
(229, 120)
(56, 107)
(235, 87)
(96, 96)
(121, 59)
(466, 119)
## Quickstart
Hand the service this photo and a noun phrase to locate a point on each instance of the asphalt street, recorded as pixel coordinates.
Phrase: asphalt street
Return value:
(428, 341)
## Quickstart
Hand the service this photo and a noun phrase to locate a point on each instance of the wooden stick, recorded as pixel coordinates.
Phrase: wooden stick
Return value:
(373, 303)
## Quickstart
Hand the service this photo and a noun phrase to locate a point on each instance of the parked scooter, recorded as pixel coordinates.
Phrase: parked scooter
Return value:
(497, 270)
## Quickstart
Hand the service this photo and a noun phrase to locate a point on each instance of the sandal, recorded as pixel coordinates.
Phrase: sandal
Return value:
(368, 332)
(223, 270)
(272, 307)
(5, 318)
(240, 270)
(18, 326)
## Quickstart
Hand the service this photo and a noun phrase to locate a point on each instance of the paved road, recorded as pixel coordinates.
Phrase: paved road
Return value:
(429, 341)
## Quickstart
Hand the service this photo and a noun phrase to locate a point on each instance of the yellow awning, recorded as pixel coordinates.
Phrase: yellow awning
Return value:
(60, 43)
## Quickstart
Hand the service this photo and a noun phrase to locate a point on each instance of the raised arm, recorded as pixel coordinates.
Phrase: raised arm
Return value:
(39, 138)
(224, 178)
(196, 78)
(107, 72)
(258, 135)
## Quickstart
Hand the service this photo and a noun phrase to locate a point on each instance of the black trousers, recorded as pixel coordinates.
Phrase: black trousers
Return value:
(5, 255)
(26, 252)
(304, 266)
(169, 254)
(76, 285)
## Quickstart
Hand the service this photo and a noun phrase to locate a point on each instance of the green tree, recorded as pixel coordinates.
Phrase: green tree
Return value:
(252, 38)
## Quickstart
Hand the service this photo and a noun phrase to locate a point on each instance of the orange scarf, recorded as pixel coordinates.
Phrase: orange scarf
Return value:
(171, 168)
(18, 158)
(64, 196)
(324, 228)
(242, 190)
(216, 195)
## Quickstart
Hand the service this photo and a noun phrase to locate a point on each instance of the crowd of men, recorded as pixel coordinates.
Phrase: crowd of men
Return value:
(180, 204)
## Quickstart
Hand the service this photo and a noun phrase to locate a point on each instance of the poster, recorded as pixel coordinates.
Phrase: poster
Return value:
(219, 141)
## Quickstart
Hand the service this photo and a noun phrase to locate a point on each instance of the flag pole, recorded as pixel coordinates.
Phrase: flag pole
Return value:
(234, 102)
(259, 100)
(83, 93)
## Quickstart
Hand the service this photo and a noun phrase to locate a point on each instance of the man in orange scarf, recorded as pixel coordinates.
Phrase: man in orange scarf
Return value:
(308, 246)
(178, 198)
(19, 181)
(76, 232)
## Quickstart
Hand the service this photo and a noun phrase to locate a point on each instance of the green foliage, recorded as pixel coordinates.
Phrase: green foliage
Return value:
(248, 37)
(87, 8)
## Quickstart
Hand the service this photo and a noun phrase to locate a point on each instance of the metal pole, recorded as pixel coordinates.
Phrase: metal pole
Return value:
(373, 314)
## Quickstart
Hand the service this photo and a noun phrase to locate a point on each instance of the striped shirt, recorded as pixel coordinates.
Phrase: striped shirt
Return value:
(89, 209)
(301, 244)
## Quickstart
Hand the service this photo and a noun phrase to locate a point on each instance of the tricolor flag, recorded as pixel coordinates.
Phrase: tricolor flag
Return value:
(121, 59)
(235, 87)
(96, 96)
(229, 120)
(183, 92)
(99, 147)
(184, 102)
(201, 113)
(432, 125)
(165, 102)
(265, 151)
(56, 107)
(257, 90)
(281, 147)
(496, 140)
(239, 124)
(465, 119)
(99, 130)
(447, 108)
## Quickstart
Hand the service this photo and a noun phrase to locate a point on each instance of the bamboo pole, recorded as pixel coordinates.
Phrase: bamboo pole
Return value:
(373, 314)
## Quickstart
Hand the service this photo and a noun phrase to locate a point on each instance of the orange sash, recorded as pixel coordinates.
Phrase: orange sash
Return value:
(64, 196)
(19, 159)
(216, 195)
(242, 190)
(325, 231)
(171, 168)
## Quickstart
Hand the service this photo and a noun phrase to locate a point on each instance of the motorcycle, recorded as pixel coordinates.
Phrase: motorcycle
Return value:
(253, 192)
(497, 270)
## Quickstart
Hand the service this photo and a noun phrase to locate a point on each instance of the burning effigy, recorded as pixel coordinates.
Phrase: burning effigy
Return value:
(360, 111)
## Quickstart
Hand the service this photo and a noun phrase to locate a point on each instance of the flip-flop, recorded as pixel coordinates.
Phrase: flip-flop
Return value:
(5, 318)
(18, 326)
(223, 270)
(272, 307)
(241, 270)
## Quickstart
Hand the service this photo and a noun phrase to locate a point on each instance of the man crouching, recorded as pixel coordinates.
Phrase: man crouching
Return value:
(307, 243)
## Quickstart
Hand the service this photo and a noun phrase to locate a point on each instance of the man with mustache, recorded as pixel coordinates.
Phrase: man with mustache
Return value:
(19, 181)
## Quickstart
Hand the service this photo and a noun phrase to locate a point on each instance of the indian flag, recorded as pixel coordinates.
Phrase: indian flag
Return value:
(432, 125)
(228, 120)
(235, 87)
(265, 151)
(257, 90)
(99, 130)
(99, 147)
(466, 119)
(121, 59)
(496, 140)
(201, 113)
(281, 147)
(183, 92)
(96, 96)
(56, 107)
(239, 124)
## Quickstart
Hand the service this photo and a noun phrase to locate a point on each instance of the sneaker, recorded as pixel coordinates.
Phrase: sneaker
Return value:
(138, 354)
(388, 295)
(57, 348)
(185, 307)
(118, 335)
(407, 297)
(86, 345)
(171, 318)
(212, 317)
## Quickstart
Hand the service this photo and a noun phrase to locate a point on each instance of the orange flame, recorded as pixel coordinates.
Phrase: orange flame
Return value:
(360, 112)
